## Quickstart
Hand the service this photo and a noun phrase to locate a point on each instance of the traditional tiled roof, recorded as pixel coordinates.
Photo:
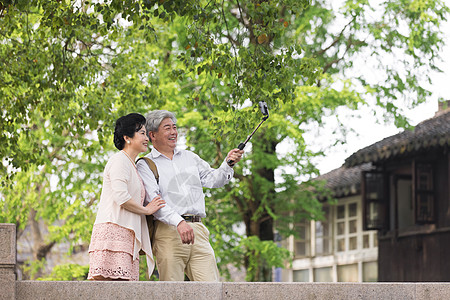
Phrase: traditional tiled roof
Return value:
(345, 181)
(431, 133)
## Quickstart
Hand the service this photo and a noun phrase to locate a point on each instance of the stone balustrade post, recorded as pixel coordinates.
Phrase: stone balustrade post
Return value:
(7, 261)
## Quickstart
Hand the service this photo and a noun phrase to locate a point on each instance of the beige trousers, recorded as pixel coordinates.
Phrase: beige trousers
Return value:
(174, 259)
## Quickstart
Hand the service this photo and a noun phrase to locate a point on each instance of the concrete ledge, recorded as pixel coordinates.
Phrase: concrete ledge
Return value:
(80, 290)
(202, 290)
(433, 291)
(320, 291)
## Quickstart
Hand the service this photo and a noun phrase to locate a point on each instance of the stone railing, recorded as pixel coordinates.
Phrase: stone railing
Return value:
(7, 261)
(11, 289)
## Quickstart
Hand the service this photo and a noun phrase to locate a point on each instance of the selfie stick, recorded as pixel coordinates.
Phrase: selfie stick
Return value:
(265, 112)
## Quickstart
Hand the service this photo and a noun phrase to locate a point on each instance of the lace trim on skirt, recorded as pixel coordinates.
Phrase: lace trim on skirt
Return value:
(114, 265)
(111, 253)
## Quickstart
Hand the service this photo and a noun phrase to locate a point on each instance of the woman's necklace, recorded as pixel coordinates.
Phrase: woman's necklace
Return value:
(134, 164)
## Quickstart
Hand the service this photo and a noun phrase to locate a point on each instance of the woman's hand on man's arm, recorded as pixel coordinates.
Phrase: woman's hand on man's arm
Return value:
(149, 209)
(155, 205)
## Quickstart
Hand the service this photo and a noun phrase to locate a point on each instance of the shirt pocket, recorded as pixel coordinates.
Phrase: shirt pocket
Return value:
(196, 194)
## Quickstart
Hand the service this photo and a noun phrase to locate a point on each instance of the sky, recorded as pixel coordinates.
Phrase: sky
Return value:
(367, 131)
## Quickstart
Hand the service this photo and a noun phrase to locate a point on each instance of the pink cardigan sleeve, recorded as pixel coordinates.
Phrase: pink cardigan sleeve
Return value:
(120, 176)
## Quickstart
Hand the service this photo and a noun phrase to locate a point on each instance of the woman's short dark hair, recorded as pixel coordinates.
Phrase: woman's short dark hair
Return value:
(127, 125)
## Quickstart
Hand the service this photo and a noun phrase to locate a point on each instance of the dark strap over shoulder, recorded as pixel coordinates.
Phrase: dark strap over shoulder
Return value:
(150, 219)
(152, 166)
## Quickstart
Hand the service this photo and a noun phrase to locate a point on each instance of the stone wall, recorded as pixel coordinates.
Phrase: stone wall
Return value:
(7, 261)
(32, 290)
(10, 289)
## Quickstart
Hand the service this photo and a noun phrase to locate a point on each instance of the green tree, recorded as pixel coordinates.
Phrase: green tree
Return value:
(64, 80)
(304, 61)
(69, 68)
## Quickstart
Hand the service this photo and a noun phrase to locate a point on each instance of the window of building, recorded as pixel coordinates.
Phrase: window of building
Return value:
(366, 241)
(412, 199)
(347, 273)
(324, 234)
(375, 200)
(424, 194)
(370, 271)
(323, 274)
(301, 276)
(404, 200)
(347, 227)
(302, 246)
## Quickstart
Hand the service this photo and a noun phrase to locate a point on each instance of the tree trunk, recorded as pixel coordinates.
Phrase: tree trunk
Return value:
(263, 226)
(40, 249)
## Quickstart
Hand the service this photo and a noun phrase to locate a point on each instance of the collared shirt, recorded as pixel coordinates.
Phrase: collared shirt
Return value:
(181, 182)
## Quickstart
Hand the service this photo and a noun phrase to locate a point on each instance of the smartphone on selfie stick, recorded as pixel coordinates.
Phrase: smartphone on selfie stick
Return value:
(265, 112)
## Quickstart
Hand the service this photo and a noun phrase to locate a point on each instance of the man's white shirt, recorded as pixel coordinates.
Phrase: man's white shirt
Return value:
(181, 182)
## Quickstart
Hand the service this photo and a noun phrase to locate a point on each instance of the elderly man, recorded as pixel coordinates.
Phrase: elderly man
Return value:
(181, 241)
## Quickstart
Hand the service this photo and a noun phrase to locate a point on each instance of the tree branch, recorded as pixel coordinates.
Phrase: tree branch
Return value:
(349, 44)
(248, 24)
(340, 35)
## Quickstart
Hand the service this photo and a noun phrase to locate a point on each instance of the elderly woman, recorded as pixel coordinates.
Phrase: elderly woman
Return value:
(120, 229)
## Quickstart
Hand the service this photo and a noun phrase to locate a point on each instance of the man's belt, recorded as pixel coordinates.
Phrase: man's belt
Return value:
(191, 218)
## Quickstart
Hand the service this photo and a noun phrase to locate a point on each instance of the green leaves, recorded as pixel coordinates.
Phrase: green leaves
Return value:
(69, 69)
(67, 272)
(262, 254)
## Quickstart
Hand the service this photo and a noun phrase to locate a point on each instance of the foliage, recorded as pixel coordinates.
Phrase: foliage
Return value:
(143, 271)
(243, 55)
(262, 252)
(67, 272)
(387, 50)
(68, 69)
(33, 268)
(63, 82)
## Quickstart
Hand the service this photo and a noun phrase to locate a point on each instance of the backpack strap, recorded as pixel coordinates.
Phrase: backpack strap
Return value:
(152, 166)
(151, 223)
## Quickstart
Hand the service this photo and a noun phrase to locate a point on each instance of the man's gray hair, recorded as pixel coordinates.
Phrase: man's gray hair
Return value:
(155, 117)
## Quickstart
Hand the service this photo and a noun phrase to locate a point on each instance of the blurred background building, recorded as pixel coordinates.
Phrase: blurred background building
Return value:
(392, 217)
